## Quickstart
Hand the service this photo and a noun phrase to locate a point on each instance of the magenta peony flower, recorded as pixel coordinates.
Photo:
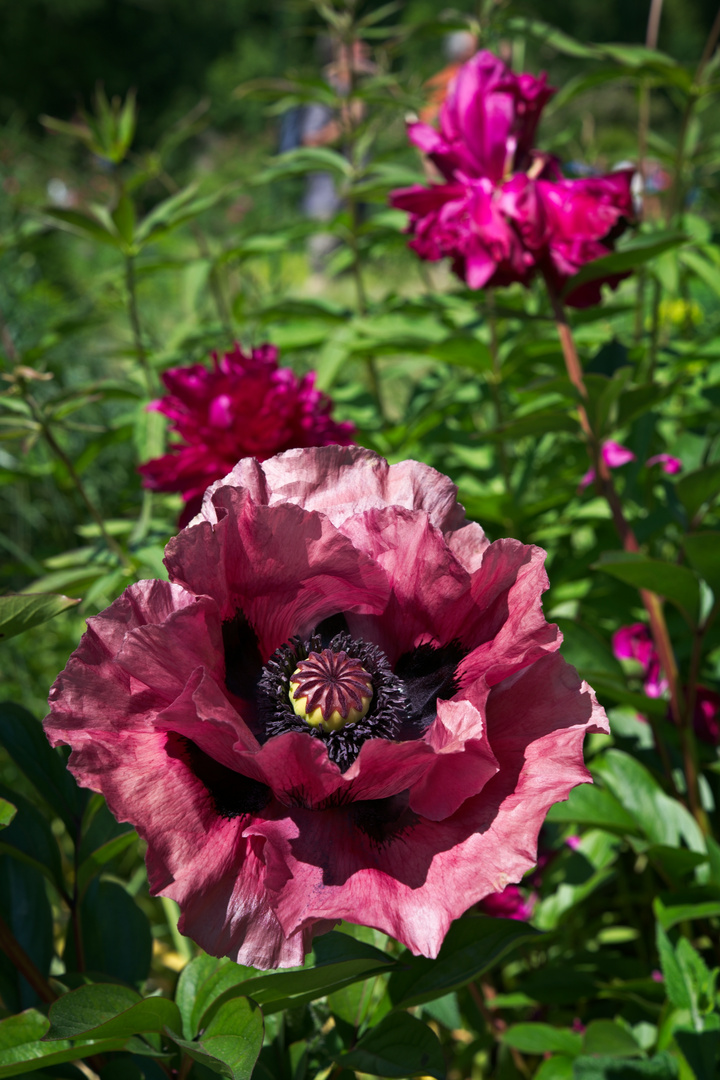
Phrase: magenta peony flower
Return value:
(345, 704)
(505, 211)
(670, 465)
(635, 643)
(508, 904)
(614, 455)
(706, 718)
(246, 406)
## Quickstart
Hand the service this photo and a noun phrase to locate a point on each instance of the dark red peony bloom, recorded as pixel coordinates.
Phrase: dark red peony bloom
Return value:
(505, 212)
(246, 406)
(508, 904)
(345, 704)
(635, 643)
(706, 717)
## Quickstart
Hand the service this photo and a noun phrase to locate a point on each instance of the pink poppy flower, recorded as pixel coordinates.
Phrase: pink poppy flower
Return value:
(344, 704)
(614, 455)
(505, 211)
(635, 643)
(670, 465)
(245, 406)
(508, 904)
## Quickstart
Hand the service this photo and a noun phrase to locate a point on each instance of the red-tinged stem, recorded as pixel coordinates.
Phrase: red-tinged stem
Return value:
(651, 601)
(24, 964)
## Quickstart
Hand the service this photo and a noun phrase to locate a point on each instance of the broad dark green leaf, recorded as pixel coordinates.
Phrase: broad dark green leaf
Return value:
(21, 611)
(607, 1037)
(471, 946)
(188, 990)
(103, 838)
(703, 552)
(24, 739)
(231, 1042)
(399, 1046)
(675, 583)
(700, 1049)
(125, 956)
(110, 1011)
(339, 961)
(25, 908)
(676, 983)
(591, 805)
(698, 487)
(543, 1039)
(31, 839)
(663, 820)
(22, 1049)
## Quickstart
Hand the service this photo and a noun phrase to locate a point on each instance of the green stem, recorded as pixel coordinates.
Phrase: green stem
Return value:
(79, 486)
(134, 317)
(495, 381)
(651, 601)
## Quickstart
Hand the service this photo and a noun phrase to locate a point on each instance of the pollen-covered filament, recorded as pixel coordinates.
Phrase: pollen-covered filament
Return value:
(330, 689)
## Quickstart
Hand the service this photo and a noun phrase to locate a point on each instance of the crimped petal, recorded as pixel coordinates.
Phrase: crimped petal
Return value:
(283, 567)
(343, 481)
(94, 692)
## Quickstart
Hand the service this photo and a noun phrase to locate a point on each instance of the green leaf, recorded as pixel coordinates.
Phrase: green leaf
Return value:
(25, 908)
(7, 813)
(557, 1067)
(124, 217)
(661, 1067)
(635, 254)
(700, 1050)
(591, 805)
(231, 1043)
(30, 839)
(584, 870)
(399, 1046)
(339, 961)
(698, 487)
(663, 820)
(542, 1039)
(607, 1037)
(103, 838)
(671, 914)
(19, 611)
(24, 739)
(472, 945)
(703, 552)
(676, 583)
(187, 992)
(126, 956)
(109, 1011)
(84, 225)
(22, 1049)
(676, 984)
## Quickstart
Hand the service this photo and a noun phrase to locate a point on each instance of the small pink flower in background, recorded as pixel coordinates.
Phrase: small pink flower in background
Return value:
(274, 803)
(671, 465)
(505, 211)
(657, 976)
(508, 904)
(578, 1026)
(635, 643)
(245, 406)
(573, 842)
(706, 719)
(614, 455)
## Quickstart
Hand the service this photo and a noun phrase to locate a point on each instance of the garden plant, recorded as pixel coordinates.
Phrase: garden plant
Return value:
(370, 562)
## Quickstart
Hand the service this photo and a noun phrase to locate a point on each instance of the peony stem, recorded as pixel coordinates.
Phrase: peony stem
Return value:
(651, 601)
(494, 382)
(24, 964)
(134, 316)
